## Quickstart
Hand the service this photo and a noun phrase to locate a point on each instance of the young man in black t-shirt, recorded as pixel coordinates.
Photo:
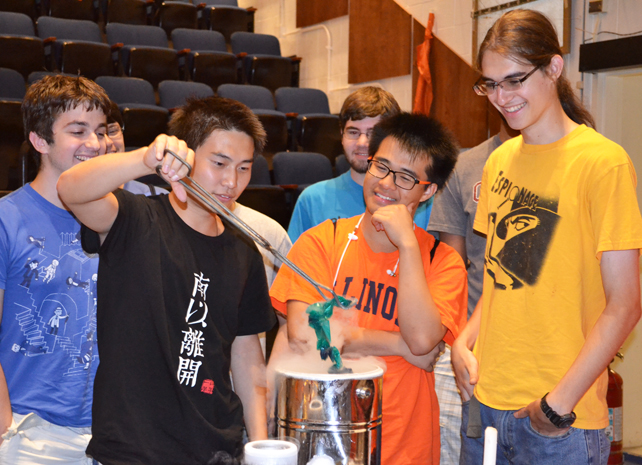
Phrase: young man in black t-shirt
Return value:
(180, 302)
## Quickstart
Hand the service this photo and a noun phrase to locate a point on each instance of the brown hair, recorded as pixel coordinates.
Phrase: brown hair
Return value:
(368, 102)
(51, 96)
(198, 118)
(529, 35)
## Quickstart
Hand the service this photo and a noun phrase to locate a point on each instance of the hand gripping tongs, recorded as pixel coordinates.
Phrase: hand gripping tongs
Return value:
(217, 207)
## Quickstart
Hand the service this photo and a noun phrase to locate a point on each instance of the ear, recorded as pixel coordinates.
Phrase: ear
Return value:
(429, 192)
(555, 67)
(38, 143)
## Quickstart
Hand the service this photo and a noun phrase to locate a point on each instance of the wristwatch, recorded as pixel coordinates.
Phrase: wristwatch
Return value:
(561, 421)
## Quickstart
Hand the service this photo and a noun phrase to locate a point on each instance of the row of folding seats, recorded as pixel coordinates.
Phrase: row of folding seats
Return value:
(220, 15)
(75, 46)
(295, 119)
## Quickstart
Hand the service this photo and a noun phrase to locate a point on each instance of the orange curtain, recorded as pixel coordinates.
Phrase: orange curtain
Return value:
(423, 98)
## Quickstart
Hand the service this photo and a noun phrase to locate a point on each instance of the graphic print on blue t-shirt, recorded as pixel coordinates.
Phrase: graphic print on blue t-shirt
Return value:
(57, 321)
(520, 232)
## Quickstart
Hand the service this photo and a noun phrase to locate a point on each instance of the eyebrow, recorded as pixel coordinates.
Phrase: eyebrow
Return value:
(84, 124)
(516, 74)
(228, 158)
(405, 170)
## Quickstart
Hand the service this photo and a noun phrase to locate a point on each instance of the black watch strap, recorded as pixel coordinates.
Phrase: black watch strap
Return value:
(561, 421)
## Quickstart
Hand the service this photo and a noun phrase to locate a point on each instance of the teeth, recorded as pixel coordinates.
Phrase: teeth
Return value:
(385, 198)
(83, 157)
(515, 108)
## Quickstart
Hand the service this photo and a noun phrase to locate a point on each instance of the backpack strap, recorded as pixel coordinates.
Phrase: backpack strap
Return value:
(434, 249)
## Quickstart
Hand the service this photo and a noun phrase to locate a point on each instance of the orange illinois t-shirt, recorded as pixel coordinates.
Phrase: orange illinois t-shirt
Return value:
(410, 428)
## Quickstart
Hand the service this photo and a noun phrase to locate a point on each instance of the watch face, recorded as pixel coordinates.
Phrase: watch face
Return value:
(566, 421)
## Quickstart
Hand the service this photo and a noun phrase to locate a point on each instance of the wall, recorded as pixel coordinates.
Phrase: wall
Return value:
(328, 70)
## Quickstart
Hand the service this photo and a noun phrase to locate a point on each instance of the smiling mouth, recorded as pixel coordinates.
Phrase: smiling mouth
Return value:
(224, 198)
(84, 157)
(514, 108)
(387, 199)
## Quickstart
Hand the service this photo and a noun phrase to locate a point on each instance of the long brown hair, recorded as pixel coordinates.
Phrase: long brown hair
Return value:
(529, 35)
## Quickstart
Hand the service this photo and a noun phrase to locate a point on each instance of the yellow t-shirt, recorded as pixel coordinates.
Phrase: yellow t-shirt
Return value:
(548, 212)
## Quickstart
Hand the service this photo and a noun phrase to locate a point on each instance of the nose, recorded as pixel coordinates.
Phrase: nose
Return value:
(96, 143)
(363, 139)
(388, 182)
(501, 96)
(110, 147)
(230, 178)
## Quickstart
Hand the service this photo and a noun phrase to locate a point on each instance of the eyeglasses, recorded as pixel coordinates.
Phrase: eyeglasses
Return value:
(354, 134)
(403, 180)
(114, 129)
(508, 85)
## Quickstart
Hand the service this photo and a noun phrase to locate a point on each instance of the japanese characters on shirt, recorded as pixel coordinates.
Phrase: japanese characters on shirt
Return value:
(191, 354)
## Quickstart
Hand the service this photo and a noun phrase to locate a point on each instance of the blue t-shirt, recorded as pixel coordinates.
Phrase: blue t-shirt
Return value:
(340, 197)
(48, 330)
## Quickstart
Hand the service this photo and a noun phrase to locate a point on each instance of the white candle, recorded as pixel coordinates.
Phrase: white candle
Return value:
(490, 446)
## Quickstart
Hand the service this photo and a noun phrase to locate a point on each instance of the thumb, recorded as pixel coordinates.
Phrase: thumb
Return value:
(473, 373)
(179, 191)
(411, 207)
(521, 413)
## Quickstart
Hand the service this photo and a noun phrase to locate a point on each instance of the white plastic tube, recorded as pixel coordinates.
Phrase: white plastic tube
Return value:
(490, 446)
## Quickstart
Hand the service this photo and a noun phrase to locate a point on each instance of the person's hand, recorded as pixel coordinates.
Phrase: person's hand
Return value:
(426, 362)
(396, 222)
(539, 421)
(466, 368)
(172, 170)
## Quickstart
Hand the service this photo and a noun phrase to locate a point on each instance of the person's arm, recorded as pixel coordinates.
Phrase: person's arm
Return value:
(87, 187)
(248, 374)
(5, 403)
(621, 282)
(457, 242)
(418, 316)
(357, 341)
(465, 365)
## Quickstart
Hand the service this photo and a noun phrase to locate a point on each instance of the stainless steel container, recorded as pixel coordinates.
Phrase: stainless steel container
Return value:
(334, 415)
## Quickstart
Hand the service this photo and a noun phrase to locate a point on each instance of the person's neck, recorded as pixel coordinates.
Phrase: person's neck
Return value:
(197, 218)
(377, 240)
(45, 185)
(551, 127)
(506, 132)
(357, 177)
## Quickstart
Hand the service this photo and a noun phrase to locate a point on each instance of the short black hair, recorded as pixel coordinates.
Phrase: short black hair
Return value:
(423, 138)
(199, 117)
(115, 116)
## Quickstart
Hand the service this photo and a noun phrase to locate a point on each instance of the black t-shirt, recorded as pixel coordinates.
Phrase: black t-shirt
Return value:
(170, 303)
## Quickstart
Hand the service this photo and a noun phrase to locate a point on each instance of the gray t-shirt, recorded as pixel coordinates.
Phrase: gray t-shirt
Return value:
(454, 211)
(272, 231)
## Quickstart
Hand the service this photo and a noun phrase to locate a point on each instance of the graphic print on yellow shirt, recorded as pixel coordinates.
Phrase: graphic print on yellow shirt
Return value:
(519, 234)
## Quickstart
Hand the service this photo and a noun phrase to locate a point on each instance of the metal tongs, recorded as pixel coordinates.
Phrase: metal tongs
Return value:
(217, 207)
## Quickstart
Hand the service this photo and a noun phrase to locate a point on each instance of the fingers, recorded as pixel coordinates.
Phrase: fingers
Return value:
(521, 413)
(466, 394)
(172, 169)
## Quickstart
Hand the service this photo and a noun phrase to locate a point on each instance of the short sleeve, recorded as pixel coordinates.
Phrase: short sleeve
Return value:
(481, 217)
(300, 220)
(311, 254)
(615, 214)
(255, 311)
(447, 282)
(5, 247)
(448, 213)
